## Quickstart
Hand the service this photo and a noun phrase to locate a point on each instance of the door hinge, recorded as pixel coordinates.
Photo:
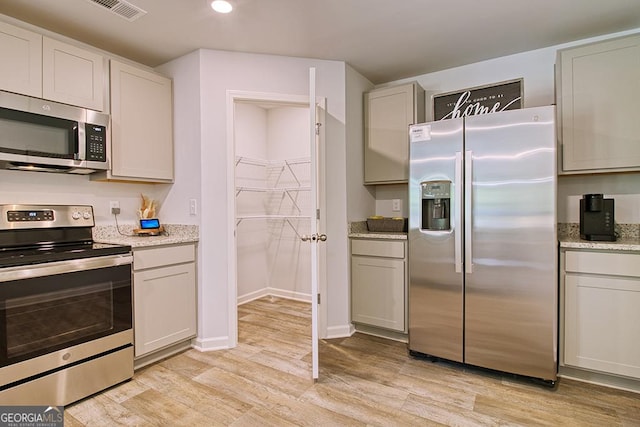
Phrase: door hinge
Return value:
(318, 298)
(318, 128)
(318, 214)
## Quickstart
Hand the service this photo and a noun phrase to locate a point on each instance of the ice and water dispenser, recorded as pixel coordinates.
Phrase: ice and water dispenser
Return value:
(436, 205)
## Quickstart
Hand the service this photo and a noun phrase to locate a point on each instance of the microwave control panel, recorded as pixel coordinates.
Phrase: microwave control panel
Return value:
(96, 142)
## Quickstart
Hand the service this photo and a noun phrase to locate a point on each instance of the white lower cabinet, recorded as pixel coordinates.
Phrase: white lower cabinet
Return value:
(378, 283)
(602, 311)
(164, 293)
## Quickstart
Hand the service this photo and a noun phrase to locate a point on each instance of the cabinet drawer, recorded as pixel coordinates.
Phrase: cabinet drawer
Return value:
(388, 249)
(163, 256)
(618, 264)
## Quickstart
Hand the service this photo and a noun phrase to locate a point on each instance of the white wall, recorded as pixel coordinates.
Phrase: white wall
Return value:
(50, 188)
(537, 69)
(290, 269)
(624, 188)
(217, 72)
(251, 234)
(187, 133)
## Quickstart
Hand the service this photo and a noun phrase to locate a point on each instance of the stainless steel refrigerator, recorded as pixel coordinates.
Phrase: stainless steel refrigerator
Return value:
(482, 241)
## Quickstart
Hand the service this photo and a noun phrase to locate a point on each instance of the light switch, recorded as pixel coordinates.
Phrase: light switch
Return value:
(193, 207)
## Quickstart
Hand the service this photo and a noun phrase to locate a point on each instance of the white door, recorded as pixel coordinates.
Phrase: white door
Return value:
(317, 219)
(313, 237)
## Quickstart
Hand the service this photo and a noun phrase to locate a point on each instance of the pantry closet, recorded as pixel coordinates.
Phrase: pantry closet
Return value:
(272, 185)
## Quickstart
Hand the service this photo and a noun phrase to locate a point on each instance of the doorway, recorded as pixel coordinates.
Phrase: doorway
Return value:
(271, 184)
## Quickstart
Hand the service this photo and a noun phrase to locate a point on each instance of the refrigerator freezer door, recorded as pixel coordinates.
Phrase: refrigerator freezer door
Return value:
(435, 288)
(511, 291)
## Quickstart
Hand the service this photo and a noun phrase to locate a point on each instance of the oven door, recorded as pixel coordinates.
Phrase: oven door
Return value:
(46, 308)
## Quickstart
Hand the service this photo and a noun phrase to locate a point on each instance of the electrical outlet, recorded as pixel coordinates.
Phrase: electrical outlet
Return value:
(114, 205)
(395, 205)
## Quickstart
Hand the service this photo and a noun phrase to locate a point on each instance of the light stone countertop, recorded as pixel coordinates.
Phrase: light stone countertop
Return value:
(379, 235)
(174, 234)
(628, 240)
(618, 245)
(359, 230)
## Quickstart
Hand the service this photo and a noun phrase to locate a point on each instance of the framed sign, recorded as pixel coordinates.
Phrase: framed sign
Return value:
(478, 100)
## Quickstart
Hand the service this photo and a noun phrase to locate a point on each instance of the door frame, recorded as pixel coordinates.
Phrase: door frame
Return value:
(302, 101)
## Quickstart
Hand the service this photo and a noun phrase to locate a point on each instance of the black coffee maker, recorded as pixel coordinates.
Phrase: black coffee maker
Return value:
(597, 218)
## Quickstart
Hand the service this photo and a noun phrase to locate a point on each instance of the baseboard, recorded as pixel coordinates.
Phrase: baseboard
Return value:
(382, 333)
(210, 344)
(297, 296)
(252, 296)
(613, 381)
(161, 354)
(340, 331)
(281, 293)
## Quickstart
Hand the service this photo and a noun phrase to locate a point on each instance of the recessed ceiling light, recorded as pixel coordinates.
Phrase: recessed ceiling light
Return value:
(221, 6)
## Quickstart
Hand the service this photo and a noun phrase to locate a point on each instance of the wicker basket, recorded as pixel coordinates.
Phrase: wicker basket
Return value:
(387, 224)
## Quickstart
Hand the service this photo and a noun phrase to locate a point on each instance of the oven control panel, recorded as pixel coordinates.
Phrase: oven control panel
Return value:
(45, 216)
(41, 215)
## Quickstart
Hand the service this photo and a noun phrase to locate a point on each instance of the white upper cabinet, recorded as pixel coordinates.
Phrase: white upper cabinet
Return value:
(72, 75)
(41, 67)
(21, 60)
(388, 112)
(141, 125)
(598, 92)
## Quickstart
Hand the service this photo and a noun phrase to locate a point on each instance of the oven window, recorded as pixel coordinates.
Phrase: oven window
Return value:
(45, 314)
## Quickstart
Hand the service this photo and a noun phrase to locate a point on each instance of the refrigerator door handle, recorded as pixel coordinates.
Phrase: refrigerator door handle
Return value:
(457, 232)
(468, 209)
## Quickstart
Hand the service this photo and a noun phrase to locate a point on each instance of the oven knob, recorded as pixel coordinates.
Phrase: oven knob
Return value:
(86, 215)
(75, 215)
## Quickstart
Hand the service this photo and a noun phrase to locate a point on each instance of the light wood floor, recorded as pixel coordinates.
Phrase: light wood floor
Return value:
(265, 381)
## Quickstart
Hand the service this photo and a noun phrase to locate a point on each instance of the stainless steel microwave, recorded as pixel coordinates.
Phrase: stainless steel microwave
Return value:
(46, 136)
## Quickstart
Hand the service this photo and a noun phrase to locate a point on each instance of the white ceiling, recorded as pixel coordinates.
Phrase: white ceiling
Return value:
(413, 38)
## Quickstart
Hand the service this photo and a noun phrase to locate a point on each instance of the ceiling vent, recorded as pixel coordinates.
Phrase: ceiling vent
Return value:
(121, 8)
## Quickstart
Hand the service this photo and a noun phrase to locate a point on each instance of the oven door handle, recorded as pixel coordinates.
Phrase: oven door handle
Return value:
(62, 267)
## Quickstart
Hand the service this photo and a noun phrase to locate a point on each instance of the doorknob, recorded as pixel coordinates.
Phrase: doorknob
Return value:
(313, 237)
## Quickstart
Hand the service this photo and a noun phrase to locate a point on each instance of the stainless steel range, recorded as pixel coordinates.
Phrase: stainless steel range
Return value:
(65, 307)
